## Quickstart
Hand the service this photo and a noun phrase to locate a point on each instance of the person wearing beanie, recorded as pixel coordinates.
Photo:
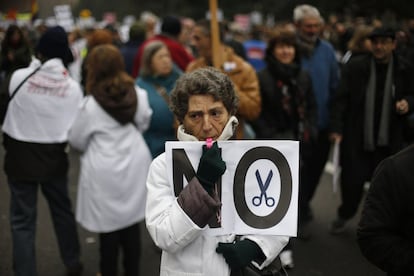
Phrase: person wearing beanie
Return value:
(54, 44)
(35, 133)
(170, 32)
(171, 25)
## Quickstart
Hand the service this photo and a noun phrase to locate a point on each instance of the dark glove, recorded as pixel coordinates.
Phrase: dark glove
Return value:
(210, 168)
(241, 253)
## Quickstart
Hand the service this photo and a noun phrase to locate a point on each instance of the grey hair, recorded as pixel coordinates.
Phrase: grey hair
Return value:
(305, 11)
(203, 81)
(150, 49)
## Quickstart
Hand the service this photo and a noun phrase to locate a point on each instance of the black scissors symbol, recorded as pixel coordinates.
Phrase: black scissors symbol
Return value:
(257, 200)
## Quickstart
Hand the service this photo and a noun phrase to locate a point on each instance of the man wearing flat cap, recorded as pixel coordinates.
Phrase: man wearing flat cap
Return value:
(369, 112)
(42, 106)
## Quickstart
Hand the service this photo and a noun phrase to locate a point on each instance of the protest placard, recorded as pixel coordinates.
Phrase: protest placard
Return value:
(258, 191)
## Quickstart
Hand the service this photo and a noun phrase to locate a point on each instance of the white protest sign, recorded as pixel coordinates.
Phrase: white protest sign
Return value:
(259, 189)
(64, 18)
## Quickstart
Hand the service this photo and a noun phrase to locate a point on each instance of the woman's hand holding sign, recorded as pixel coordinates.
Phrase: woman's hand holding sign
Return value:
(211, 167)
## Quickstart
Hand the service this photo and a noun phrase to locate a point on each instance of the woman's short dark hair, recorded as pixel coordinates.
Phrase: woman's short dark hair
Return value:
(203, 81)
(281, 35)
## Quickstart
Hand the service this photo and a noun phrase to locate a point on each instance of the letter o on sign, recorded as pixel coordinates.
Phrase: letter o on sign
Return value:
(262, 222)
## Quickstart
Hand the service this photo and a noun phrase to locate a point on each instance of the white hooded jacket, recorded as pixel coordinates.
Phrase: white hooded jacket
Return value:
(45, 105)
(114, 166)
(186, 251)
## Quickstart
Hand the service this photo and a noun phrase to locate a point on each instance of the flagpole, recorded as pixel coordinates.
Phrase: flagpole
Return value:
(215, 37)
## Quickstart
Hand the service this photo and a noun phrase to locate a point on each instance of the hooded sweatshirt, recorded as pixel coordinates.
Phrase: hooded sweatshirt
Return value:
(38, 119)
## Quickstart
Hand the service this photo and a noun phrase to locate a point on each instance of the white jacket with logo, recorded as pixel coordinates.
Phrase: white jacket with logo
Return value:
(45, 106)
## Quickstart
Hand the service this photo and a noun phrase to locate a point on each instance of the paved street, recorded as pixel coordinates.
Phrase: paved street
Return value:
(322, 255)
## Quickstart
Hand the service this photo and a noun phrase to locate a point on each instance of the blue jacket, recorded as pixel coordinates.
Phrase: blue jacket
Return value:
(324, 71)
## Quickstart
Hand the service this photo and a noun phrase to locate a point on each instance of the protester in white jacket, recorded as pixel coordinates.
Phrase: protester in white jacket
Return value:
(43, 101)
(115, 159)
(204, 102)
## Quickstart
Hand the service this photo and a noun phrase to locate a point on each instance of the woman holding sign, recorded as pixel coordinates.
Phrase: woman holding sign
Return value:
(204, 102)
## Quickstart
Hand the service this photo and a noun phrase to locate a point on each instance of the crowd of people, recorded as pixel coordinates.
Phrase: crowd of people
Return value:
(117, 102)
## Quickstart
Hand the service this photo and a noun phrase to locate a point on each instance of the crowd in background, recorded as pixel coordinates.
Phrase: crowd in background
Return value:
(300, 80)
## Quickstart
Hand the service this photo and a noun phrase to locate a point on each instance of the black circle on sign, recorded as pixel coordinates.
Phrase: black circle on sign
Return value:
(262, 222)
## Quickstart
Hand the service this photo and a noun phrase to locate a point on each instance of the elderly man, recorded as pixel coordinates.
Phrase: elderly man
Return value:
(368, 116)
(318, 58)
(204, 102)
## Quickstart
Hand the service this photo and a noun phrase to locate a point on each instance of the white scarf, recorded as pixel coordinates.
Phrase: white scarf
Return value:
(226, 134)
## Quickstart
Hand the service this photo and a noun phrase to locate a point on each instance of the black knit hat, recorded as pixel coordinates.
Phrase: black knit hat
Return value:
(382, 32)
(54, 44)
(171, 25)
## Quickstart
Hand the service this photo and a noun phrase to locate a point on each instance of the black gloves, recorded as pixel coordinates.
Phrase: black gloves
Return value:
(241, 253)
(210, 168)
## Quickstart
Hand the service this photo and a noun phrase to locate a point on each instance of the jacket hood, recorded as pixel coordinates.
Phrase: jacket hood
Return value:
(52, 76)
(121, 105)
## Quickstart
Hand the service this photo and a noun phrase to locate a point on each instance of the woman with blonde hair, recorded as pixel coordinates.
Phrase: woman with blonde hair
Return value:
(114, 159)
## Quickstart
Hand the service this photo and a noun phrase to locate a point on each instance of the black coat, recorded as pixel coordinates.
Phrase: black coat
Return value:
(273, 120)
(348, 106)
(386, 228)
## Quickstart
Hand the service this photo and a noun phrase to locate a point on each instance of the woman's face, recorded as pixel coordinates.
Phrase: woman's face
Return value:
(206, 117)
(161, 62)
(284, 53)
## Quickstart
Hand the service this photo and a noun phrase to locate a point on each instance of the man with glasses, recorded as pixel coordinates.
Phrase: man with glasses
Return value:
(369, 111)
